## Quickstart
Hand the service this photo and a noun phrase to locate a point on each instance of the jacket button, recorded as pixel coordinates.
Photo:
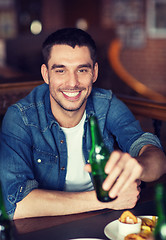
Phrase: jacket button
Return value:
(62, 168)
(62, 141)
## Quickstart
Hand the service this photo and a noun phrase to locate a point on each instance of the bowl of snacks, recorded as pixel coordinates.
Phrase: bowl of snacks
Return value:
(128, 223)
(131, 227)
(147, 227)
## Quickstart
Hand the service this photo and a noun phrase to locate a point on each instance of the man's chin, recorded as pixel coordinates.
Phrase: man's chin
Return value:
(71, 109)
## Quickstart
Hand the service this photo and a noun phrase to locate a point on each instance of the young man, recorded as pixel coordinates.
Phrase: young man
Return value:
(45, 139)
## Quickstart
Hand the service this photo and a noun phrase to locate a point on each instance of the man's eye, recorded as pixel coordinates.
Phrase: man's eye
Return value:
(59, 71)
(84, 70)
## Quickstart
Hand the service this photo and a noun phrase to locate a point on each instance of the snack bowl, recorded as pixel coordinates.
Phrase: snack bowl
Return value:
(128, 228)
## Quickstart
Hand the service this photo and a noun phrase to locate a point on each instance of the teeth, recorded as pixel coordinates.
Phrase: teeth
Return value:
(71, 94)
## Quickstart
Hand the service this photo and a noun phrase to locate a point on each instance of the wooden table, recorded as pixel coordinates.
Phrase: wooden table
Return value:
(83, 225)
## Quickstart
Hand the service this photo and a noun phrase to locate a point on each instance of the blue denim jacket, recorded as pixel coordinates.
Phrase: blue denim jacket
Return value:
(33, 150)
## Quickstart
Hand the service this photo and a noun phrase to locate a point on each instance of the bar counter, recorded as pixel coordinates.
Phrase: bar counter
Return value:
(83, 225)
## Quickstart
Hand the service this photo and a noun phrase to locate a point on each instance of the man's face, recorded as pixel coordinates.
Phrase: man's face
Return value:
(70, 76)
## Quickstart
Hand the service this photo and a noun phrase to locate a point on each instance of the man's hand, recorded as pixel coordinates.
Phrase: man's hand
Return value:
(122, 170)
(128, 198)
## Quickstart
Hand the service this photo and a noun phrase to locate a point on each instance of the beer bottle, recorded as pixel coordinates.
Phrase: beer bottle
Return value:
(160, 229)
(98, 157)
(5, 223)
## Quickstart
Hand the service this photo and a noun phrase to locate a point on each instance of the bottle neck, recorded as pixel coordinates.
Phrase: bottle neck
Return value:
(160, 201)
(160, 229)
(95, 132)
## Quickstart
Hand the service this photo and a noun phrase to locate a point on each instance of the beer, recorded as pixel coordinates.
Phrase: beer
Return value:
(98, 157)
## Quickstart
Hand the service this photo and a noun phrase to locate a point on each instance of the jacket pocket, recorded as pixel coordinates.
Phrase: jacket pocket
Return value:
(46, 167)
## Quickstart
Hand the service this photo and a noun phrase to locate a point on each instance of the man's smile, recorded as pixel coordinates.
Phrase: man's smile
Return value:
(73, 95)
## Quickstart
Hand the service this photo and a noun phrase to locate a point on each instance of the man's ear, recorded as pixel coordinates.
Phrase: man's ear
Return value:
(95, 72)
(44, 73)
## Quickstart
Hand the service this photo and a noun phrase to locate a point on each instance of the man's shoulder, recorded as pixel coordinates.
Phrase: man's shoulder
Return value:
(29, 109)
(34, 98)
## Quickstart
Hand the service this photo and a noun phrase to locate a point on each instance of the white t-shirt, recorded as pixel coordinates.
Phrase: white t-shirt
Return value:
(77, 179)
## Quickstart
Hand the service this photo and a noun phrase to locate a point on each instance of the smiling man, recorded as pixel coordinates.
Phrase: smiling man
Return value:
(45, 138)
(70, 74)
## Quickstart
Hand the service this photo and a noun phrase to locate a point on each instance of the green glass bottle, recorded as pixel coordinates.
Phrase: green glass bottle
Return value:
(160, 229)
(5, 223)
(98, 158)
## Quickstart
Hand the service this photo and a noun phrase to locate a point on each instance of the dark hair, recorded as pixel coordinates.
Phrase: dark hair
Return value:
(72, 37)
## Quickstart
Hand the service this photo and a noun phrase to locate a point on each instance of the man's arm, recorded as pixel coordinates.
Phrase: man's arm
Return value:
(150, 165)
(51, 203)
(153, 161)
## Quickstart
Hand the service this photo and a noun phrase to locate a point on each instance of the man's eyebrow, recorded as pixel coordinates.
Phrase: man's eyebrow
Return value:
(87, 65)
(57, 66)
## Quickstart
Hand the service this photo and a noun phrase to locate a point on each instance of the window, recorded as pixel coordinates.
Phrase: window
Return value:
(156, 18)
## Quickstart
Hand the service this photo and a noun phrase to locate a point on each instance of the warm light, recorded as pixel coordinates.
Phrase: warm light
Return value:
(82, 24)
(36, 27)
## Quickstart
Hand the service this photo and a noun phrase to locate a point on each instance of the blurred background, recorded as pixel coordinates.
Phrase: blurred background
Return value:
(131, 40)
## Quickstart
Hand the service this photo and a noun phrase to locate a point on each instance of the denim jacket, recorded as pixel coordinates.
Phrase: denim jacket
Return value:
(33, 150)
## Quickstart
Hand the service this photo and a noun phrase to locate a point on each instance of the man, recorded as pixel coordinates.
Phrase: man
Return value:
(45, 139)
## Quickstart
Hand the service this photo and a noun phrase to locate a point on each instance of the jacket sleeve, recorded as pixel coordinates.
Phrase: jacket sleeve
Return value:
(16, 171)
(127, 130)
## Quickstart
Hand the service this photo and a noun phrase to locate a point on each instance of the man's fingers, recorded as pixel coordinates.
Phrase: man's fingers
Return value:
(127, 180)
(114, 158)
(88, 168)
(119, 169)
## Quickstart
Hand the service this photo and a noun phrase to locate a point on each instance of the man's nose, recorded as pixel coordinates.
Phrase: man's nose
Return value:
(73, 79)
